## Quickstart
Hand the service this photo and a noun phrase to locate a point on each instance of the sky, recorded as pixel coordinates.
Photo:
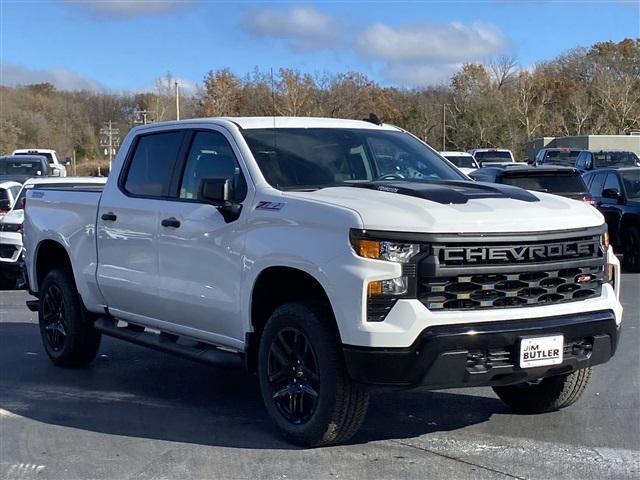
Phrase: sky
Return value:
(123, 45)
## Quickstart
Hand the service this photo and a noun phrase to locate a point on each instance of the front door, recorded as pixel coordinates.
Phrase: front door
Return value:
(200, 254)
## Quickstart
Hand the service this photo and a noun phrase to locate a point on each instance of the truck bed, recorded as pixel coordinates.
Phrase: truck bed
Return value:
(66, 215)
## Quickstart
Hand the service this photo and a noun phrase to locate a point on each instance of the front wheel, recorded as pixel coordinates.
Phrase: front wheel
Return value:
(546, 394)
(305, 387)
(66, 328)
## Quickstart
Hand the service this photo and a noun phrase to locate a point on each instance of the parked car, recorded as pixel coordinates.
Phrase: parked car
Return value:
(20, 168)
(463, 160)
(617, 195)
(563, 181)
(487, 157)
(58, 169)
(324, 255)
(557, 156)
(11, 250)
(592, 160)
(8, 194)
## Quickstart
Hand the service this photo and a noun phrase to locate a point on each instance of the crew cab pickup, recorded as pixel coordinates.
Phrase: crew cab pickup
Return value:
(327, 256)
(57, 168)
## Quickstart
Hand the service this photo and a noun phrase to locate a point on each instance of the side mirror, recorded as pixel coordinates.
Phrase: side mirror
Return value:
(219, 192)
(5, 205)
(612, 193)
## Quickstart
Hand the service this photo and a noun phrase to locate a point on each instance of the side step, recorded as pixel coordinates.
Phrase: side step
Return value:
(182, 347)
(33, 305)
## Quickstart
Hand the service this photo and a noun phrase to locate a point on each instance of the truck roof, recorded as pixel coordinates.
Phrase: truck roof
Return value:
(33, 150)
(250, 123)
(456, 154)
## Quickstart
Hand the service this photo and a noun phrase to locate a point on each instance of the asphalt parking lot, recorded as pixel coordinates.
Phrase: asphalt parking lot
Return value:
(140, 414)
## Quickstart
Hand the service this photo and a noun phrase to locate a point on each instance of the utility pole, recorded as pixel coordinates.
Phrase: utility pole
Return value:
(444, 126)
(177, 101)
(110, 140)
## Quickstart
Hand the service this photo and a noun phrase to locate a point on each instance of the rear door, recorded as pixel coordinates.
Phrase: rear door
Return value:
(128, 222)
(200, 253)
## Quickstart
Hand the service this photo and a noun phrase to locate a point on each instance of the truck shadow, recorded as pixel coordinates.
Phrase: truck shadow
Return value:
(136, 392)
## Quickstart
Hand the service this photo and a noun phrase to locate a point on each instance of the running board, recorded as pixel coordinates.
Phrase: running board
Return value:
(33, 305)
(182, 347)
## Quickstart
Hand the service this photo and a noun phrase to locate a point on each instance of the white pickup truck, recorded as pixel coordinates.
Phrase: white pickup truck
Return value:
(58, 169)
(327, 256)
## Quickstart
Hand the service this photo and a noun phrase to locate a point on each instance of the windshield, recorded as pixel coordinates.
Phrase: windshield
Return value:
(311, 158)
(462, 161)
(561, 157)
(631, 181)
(46, 155)
(493, 156)
(20, 167)
(549, 182)
(616, 159)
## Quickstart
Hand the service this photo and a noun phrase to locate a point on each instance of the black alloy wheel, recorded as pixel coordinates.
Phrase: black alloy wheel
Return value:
(54, 318)
(293, 375)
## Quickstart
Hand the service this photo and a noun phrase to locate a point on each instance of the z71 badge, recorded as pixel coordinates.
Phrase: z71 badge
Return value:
(269, 205)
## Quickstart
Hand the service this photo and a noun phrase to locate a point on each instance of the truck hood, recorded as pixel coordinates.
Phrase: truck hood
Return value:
(473, 207)
(14, 216)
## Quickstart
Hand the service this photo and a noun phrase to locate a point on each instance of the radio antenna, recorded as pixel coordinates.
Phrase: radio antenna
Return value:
(273, 108)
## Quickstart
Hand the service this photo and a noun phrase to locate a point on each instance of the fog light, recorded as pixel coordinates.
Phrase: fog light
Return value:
(609, 273)
(393, 286)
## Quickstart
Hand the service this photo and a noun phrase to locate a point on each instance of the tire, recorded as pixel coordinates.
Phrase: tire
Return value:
(308, 395)
(66, 327)
(632, 253)
(548, 394)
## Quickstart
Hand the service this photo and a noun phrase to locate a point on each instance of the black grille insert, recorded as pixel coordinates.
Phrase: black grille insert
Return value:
(510, 290)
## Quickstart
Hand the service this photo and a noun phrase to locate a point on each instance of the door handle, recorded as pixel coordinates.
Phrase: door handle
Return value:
(171, 222)
(109, 217)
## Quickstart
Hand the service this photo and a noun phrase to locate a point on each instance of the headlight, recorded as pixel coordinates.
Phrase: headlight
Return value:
(10, 227)
(384, 250)
(604, 241)
(390, 251)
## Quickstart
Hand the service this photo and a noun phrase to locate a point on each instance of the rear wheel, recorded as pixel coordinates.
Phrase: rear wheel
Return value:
(546, 394)
(632, 253)
(66, 328)
(304, 384)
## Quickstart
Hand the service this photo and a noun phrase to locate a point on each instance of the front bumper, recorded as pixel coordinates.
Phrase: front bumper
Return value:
(484, 354)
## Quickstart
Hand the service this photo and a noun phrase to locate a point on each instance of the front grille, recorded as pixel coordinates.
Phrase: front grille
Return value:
(511, 289)
(7, 251)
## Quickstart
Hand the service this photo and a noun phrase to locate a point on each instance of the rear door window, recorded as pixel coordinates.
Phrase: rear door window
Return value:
(151, 167)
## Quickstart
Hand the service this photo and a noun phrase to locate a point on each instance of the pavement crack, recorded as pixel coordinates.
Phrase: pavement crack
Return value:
(449, 457)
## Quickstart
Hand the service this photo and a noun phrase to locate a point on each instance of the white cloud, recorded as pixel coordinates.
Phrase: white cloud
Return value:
(430, 42)
(427, 53)
(410, 75)
(61, 78)
(128, 8)
(303, 28)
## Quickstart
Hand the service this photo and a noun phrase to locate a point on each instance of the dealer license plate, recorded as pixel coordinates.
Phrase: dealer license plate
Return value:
(541, 351)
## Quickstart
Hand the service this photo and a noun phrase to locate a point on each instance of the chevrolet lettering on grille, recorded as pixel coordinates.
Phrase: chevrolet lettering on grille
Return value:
(526, 253)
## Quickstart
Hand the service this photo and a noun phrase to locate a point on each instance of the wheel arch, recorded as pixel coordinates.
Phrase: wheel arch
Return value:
(50, 254)
(274, 286)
